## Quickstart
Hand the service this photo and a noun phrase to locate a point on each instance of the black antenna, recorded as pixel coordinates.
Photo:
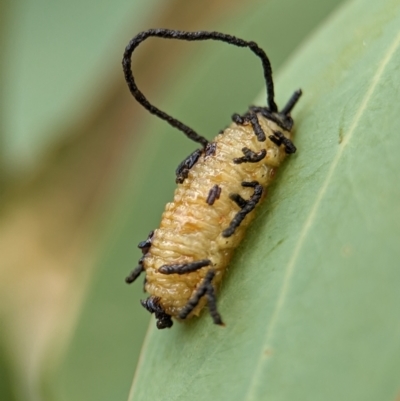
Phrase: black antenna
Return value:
(291, 103)
(191, 36)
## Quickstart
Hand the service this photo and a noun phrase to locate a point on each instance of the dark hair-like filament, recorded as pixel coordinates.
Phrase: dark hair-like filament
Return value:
(191, 36)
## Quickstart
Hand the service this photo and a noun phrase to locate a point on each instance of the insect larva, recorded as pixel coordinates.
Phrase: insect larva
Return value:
(219, 186)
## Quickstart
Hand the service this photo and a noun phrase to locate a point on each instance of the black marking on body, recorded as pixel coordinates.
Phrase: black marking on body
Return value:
(282, 120)
(260, 134)
(279, 139)
(152, 304)
(246, 206)
(238, 119)
(185, 267)
(183, 169)
(238, 200)
(250, 156)
(205, 289)
(210, 149)
(250, 117)
(214, 194)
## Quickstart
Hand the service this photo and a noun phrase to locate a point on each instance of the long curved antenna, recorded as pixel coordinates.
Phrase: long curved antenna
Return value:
(191, 36)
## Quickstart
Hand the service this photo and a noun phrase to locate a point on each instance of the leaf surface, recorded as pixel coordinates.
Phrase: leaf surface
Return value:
(311, 298)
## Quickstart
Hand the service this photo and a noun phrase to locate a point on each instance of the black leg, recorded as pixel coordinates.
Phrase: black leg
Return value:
(205, 288)
(134, 274)
(193, 302)
(145, 245)
(183, 169)
(212, 305)
(152, 304)
(246, 209)
(184, 268)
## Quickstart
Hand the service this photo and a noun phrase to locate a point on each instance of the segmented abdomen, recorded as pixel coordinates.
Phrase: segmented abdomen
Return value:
(193, 223)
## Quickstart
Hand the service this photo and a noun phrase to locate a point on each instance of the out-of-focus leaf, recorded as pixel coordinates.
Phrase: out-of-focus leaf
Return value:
(311, 299)
(7, 390)
(47, 215)
(53, 56)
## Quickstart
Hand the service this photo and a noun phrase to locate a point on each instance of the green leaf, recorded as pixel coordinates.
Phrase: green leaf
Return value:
(103, 352)
(311, 299)
(60, 111)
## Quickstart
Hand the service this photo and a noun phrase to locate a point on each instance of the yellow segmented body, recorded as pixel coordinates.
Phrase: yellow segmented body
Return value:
(191, 229)
(219, 188)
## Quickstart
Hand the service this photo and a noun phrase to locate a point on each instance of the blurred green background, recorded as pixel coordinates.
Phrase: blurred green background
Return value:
(83, 178)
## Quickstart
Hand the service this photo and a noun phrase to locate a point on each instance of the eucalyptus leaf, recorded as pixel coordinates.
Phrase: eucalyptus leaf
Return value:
(103, 352)
(311, 299)
(49, 50)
